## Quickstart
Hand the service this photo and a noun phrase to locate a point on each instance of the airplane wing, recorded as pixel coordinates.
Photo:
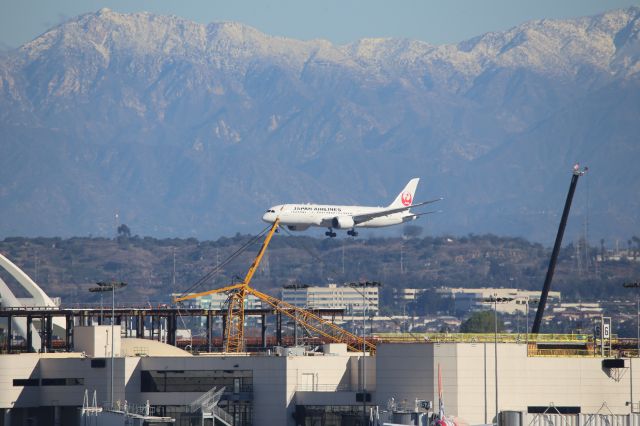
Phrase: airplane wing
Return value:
(422, 214)
(368, 216)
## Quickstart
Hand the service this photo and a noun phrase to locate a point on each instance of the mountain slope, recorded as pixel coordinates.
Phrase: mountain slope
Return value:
(190, 129)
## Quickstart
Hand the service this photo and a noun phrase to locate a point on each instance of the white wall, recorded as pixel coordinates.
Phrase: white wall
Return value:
(22, 366)
(409, 371)
(96, 340)
(404, 372)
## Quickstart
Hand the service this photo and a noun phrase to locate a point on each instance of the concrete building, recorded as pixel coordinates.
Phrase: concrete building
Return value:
(404, 295)
(350, 297)
(528, 384)
(48, 388)
(219, 301)
(288, 388)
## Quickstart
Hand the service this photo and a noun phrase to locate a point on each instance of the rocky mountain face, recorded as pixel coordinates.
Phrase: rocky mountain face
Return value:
(193, 130)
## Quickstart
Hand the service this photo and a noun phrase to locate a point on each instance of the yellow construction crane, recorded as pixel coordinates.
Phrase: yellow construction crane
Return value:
(234, 333)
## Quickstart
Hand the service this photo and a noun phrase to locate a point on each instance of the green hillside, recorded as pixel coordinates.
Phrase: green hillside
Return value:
(68, 267)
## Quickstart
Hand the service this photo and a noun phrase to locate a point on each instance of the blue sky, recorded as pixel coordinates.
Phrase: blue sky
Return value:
(340, 21)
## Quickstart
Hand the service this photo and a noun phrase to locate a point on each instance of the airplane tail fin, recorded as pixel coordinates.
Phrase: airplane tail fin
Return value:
(405, 197)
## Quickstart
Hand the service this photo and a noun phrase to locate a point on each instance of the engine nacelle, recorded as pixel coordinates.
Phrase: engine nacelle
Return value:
(298, 227)
(343, 222)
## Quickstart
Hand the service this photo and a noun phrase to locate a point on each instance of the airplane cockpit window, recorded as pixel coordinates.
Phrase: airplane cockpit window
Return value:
(271, 211)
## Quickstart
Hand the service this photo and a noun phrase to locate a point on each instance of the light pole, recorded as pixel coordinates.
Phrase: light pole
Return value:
(495, 299)
(365, 305)
(295, 286)
(635, 285)
(526, 330)
(495, 348)
(364, 346)
(102, 287)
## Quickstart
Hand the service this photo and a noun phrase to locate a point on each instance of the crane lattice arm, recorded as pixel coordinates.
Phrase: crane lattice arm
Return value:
(315, 323)
(234, 334)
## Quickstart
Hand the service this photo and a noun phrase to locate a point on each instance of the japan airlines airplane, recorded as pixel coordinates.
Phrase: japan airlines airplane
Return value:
(299, 217)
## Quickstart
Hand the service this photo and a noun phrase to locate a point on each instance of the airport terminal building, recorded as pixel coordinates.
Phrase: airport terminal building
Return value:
(327, 387)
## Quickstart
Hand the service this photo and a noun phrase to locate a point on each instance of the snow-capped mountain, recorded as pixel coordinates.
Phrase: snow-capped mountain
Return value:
(191, 129)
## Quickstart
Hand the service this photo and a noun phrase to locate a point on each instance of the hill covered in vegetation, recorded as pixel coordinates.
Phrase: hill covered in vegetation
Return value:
(68, 267)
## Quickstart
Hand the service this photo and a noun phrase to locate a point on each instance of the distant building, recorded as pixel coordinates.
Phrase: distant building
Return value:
(350, 297)
(404, 295)
(578, 311)
(618, 255)
(511, 300)
(219, 301)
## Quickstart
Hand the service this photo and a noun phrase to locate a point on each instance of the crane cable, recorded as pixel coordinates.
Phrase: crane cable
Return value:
(234, 255)
(217, 269)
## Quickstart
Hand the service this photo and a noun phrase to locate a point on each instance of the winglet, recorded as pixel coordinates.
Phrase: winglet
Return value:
(405, 197)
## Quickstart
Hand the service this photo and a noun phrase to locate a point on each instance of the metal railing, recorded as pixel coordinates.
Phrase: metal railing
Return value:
(481, 338)
(339, 387)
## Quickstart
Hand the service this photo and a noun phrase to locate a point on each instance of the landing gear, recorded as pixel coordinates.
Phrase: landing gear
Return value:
(352, 232)
(330, 233)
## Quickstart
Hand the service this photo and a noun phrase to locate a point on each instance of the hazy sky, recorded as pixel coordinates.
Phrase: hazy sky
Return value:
(340, 21)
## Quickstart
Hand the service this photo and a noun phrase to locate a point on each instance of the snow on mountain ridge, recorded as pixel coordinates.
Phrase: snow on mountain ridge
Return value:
(607, 44)
(547, 45)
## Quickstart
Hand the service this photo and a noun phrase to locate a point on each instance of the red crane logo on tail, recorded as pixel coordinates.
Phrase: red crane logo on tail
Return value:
(407, 198)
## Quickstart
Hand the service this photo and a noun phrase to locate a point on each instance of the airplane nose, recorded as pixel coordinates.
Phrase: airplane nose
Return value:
(267, 217)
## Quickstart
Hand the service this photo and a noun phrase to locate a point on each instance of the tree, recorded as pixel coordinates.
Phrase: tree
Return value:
(481, 322)
(124, 231)
(412, 231)
(430, 302)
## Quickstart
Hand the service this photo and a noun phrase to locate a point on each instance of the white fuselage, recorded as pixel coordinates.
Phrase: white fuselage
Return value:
(301, 216)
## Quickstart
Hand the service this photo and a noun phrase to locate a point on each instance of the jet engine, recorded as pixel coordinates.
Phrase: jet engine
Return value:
(297, 227)
(342, 222)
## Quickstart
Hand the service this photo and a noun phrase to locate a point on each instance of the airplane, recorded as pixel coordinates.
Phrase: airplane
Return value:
(299, 217)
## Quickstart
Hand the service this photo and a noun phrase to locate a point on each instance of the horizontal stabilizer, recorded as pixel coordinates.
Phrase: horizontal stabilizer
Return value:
(386, 212)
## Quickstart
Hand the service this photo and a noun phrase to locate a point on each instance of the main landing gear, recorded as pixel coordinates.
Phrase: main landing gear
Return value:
(352, 232)
(330, 233)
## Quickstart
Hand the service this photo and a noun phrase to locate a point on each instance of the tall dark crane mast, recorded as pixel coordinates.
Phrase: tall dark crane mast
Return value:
(576, 173)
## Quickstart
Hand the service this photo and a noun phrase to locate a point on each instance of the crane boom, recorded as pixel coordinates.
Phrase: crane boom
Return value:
(206, 293)
(575, 174)
(234, 332)
(315, 322)
(256, 262)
